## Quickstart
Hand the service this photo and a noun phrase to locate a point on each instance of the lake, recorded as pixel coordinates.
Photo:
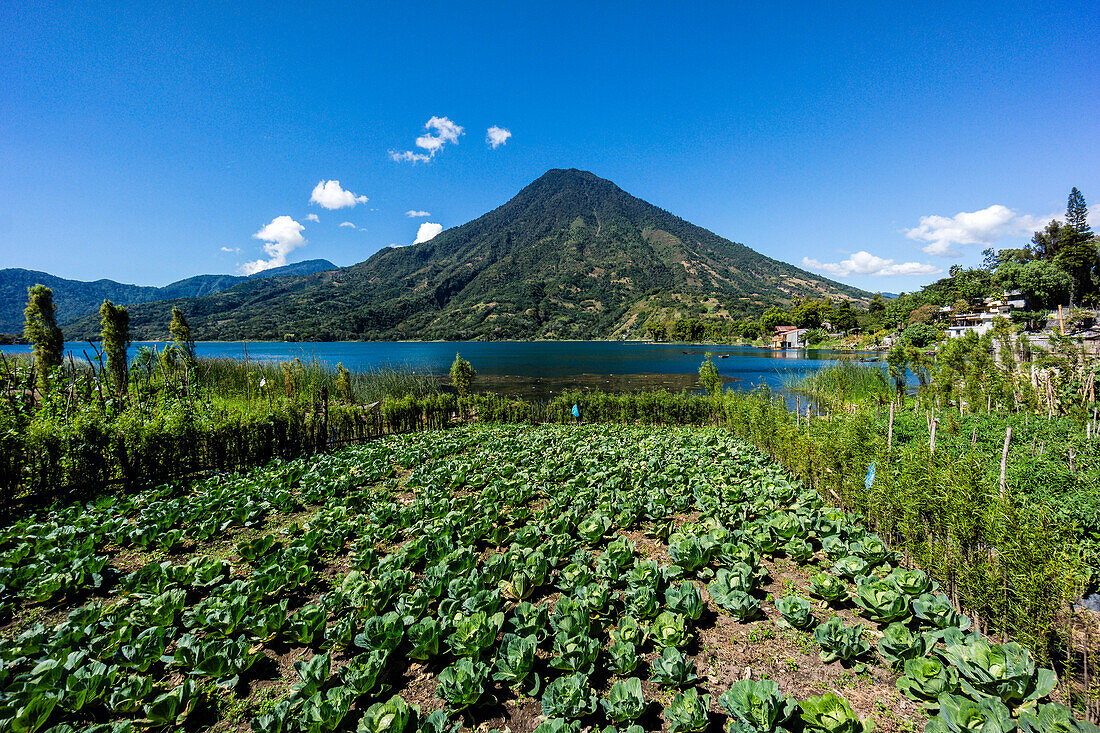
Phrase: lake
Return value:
(539, 368)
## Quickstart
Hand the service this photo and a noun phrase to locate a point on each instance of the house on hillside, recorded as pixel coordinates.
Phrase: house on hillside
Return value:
(788, 337)
(982, 314)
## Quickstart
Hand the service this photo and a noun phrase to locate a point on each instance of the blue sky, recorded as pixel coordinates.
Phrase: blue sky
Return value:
(146, 144)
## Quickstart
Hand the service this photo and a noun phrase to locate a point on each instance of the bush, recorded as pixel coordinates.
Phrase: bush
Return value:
(921, 334)
(462, 375)
(815, 336)
(708, 376)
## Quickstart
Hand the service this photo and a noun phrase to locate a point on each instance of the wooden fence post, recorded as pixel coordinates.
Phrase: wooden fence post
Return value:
(932, 436)
(1004, 459)
(324, 416)
(890, 431)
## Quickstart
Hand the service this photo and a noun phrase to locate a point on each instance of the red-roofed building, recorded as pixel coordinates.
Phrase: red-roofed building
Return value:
(788, 337)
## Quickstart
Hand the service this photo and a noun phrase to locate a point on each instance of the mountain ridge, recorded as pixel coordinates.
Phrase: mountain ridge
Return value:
(571, 255)
(76, 298)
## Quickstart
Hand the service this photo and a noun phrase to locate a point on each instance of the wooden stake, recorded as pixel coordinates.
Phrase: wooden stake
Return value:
(1004, 459)
(932, 436)
(890, 431)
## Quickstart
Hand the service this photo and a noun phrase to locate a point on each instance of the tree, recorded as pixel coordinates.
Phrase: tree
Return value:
(811, 313)
(462, 375)
(773, 317)
(994, 258)
(844, 316)
(343, 384)
(1047, 242)
(1077, 254)
(877, 304)
(114, 324)
(751, 330)
(656, 330)
(897, 359)
(1043, 284)
(814, 336)
(181, 336)
(41, 329)
(1077, 214)
(708, 376)
(926, 313)
(921, 334)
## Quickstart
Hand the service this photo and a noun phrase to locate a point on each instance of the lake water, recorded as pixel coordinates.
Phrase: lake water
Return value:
(541, 367)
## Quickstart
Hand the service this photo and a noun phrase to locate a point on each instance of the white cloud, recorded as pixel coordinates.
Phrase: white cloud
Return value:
(497, 136)
(865, 263)
(413, 213)
(440, 131)
(427, 231)
(983, 227)
(312, 217)
(231, 250)
(330, 195)
(282, 236)
(347, 224)
(408, 156)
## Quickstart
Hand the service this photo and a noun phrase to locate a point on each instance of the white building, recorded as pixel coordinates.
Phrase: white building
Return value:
(980, 320)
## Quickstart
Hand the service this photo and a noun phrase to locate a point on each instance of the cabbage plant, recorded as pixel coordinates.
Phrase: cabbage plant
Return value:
(840, 642)
(391, 716)
(463, 683)
(831, 713)
(568, 697)
(673, 669)
(687, 713)
(880, 602)
(623, 657)
(757, 707)
(575, 653)
(960, 715)
(474, 633)
(670, 630)
(624, 700)
(1053, 718)
(685, 599)
(797, 612)
(515, 659)
(1005, 672)
(829, 588)
(926, 678)
(937, 612)
(913, 583)
(899, 644)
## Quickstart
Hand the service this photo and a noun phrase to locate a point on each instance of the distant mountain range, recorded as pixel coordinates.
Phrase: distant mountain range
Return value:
(75, 298)
(571, 256)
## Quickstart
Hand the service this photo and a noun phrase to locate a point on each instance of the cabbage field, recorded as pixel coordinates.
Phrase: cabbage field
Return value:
(509, 578)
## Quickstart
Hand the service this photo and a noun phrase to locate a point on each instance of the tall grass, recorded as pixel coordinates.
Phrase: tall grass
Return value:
(846, 383)
(304, 380)
(175, 419)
